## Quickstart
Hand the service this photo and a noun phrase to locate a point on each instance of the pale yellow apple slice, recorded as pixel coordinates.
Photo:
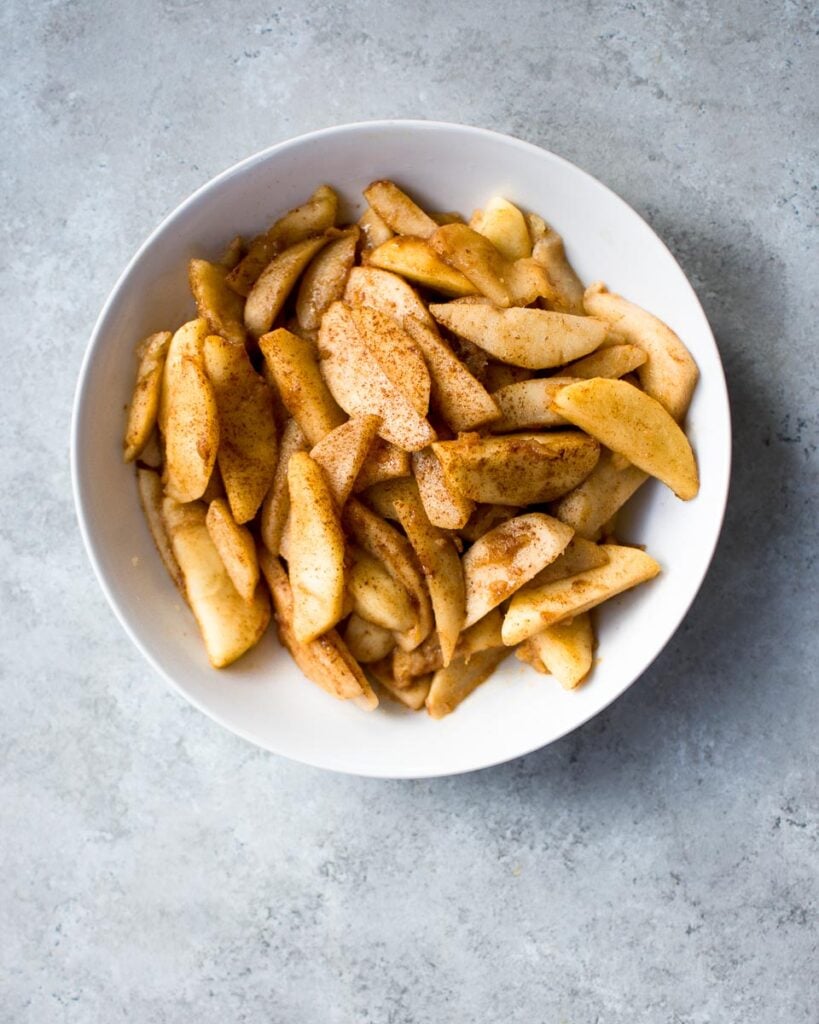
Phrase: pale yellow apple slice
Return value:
(342, 453)
(632, 423)
(248, 445)
(276, 281)
(670, 373)
(142, 413)
(229, 625)
(505, 226)
(236, 548)
(414, 259)
(564, 651)
(316, 550)
(397, 210)
(506, 558)
(215, 301)
(326, 660)
(453, 684)
(441, 566)
(537, 339)
(517, 469)
(532, 610)
(383, 290)
(312, 218)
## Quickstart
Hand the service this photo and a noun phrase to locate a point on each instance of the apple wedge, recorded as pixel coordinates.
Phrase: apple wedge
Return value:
(384, 461)
(144, 407)
(374, 229)
(600, 496)
(444, 508)
(537, 339)
(342, 453)
(377, 596)
(384, 542)
(416, 260)
(564, 651)
(248, 445)
(517, 469)
(387, 292)
(215, 301)
(548, 250)
(453, 684)
(325, 660)
(397, 354)
(293, 365)
(533, 609)
(276, 505)
(366, 641)
(613, 361)
(635, 425)
(312, 218)
(578, 556)
(359, 377)
(191, 430)
(475, 257)
(527, 404)
(149, 485)
(236, 548)
(324, 280)
(229, 625)
(670, 373)
(460, 398)
(441, 566)
(397, 210)
(276, 281)
(506, 558)
(505, 226)
(316, 550)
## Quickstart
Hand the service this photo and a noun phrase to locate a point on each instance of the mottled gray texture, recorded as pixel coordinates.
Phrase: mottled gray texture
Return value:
(658, 865)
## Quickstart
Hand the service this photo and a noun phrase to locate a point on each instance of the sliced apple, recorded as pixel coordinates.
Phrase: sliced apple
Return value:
(670, 373)
(475, 257)
(534, 338)
(533, 610)
(342, 453)
(215, 301)
(276, 281)
(312, 218)
(316, 550)
(637, 426)
(324, 280)
(565, 651)
(397, 210)
(295, 369)
(460, 397)
(453, 684)
(517, 469)
(142, 413)
(229, 625)
(371, 286)
(506, 558)
(358, 377)
(326, 660)
(248, 443)
(505, 226)
(417, 261)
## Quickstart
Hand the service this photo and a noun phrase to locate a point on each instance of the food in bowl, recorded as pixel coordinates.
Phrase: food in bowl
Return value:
(410, 438)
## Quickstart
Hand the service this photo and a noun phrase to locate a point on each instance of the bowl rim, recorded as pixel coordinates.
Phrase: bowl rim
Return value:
(94, 341)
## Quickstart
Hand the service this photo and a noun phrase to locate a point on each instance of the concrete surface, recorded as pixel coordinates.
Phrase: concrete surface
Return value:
(658, 865)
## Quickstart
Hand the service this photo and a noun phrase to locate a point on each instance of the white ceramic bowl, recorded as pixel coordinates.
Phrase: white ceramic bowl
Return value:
(264, 698)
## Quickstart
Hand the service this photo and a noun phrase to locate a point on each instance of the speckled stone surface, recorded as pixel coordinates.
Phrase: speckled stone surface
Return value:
(658, 865)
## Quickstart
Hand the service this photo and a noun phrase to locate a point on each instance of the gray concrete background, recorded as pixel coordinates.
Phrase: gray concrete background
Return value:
(658, 865)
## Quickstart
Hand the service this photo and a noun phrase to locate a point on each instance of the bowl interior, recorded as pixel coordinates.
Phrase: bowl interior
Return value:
(264, 698)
